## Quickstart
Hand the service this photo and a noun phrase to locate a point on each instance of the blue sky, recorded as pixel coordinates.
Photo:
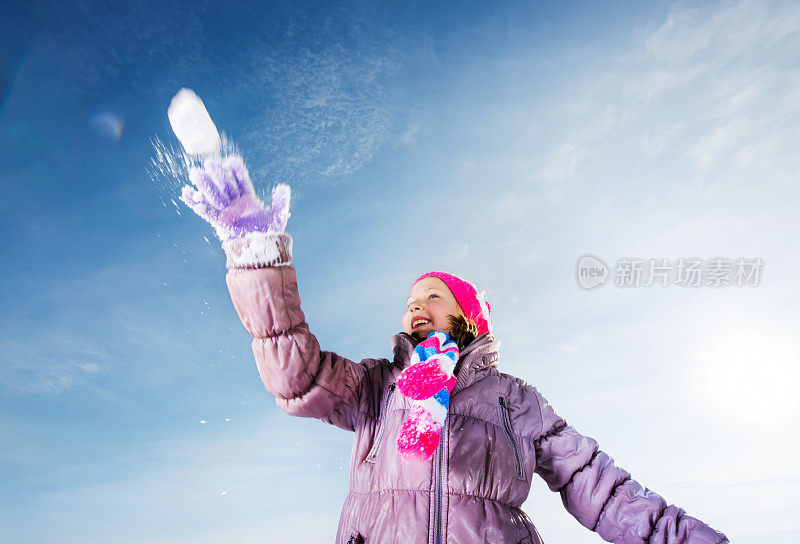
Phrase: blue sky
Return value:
(521, 135)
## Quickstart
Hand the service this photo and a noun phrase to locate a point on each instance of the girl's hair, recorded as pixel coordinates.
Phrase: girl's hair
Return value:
(462, 331)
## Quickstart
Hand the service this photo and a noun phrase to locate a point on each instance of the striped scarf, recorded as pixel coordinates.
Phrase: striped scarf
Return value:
(427, 382)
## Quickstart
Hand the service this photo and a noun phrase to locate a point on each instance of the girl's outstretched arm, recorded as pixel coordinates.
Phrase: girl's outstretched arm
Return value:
(305, 380)
(602, 496)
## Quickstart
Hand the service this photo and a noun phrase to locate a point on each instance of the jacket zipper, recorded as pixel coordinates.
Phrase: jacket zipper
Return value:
(376, 447)
(507, 426)
(437, 535)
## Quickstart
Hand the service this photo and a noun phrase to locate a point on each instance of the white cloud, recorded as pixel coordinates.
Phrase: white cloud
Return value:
(53, 364)
(456, 252)
(681, 36)
(657, 140)
(409, 135)
(657, 82)
(719, 142)
(712, 92)
(509, 207)
(575, 345)
(468, 168)
(561, 168)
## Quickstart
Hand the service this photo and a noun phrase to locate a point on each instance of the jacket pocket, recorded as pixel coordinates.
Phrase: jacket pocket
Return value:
(504, 404)
(355, 538)
(373, 453)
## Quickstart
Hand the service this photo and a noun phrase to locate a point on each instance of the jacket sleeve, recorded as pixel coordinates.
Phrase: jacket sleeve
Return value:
(305, 380)
(602, 496)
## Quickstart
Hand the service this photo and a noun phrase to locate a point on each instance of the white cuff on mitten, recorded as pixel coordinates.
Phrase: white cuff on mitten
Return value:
(259, 250)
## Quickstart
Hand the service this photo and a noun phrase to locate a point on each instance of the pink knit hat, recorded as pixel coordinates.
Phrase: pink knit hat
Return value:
(472, 303)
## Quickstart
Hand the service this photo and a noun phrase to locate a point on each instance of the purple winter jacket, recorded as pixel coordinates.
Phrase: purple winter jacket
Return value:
(499, 431)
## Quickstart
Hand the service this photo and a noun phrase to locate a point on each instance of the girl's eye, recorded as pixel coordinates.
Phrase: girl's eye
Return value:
(432, 295)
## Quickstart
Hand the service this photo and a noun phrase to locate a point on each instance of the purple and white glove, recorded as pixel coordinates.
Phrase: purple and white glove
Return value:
(252, 235)
(225, 198)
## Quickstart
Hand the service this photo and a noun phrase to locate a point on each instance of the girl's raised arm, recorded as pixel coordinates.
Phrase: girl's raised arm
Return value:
(604, 497)
(305, 380)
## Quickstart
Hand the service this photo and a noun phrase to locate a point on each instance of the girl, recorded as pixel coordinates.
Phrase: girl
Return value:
(497, 430)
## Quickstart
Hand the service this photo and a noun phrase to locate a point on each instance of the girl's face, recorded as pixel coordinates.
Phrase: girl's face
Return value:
(428, 307)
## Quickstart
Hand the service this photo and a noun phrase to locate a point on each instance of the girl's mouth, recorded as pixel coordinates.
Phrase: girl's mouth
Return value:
(417, 321)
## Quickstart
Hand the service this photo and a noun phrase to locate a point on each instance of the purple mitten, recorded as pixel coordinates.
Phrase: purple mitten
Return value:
(225, 198)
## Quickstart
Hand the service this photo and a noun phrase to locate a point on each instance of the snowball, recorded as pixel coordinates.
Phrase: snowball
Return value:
(192, 124)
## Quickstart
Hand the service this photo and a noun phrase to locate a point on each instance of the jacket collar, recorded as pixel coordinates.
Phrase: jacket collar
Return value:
(479, 355)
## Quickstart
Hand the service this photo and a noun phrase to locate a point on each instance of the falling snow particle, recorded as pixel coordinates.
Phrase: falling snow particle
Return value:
(203, 421)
